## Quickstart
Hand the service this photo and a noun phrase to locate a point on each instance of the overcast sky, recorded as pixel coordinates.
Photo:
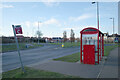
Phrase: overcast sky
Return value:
(55, 17)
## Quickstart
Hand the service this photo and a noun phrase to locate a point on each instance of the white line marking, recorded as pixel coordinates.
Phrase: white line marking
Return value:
(101, 70)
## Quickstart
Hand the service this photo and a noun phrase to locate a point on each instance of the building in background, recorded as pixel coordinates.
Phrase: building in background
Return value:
(57, 39)
(114, 38)
(106, 37)
(111, 38)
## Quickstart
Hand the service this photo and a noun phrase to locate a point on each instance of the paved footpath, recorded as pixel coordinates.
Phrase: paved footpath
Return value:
(110, 69)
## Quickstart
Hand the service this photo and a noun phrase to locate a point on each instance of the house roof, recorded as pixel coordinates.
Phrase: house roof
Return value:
(116, 35)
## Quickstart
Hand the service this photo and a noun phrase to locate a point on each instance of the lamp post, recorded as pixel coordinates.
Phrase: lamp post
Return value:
(38, 31)
(33, 35)
(97, 13)
(113, 28)
(113, 25)
(98, 27)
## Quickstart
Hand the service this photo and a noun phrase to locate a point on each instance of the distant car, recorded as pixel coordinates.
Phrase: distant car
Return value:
(57, 39)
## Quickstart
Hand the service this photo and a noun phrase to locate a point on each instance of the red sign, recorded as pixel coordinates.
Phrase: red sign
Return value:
(19, 36)
(18, 30)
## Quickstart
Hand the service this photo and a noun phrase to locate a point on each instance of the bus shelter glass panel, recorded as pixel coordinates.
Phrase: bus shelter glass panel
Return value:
(100, 46)
(90, 39)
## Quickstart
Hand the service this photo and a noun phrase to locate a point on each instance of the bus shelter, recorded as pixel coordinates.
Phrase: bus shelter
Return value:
(92, 46)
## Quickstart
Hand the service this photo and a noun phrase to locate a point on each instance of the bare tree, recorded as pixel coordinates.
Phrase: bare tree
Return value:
(72, 36)
(64, 36)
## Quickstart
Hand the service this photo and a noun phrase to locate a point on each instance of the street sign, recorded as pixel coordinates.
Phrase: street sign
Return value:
(19, 36)
(18, 29)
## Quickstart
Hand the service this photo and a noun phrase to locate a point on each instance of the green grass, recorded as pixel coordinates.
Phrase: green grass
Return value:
(56, 43)
(69, 58)
(34, 73)
(76, 56)
(68, 44)
(107, 49)
(6, 48)
(118, 45)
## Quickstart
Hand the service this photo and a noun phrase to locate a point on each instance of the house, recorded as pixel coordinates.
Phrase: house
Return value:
(47, 40)
(114, 38)
(111, 38)
(106, 37)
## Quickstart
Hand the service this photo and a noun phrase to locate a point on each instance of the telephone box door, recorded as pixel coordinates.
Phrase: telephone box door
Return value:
(89, 54)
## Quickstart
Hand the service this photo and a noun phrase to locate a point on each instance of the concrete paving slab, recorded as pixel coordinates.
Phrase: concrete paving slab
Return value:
(75, 69)
(108, 70)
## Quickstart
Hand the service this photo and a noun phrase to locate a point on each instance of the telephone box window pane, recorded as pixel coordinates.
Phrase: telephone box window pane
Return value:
(82, 56)
(90, 39)
(96, 57)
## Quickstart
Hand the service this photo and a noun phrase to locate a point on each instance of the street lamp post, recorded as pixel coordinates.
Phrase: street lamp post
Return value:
(38, 32)
(113, 25)
(113, 28)
(33, 35)
(97, 13)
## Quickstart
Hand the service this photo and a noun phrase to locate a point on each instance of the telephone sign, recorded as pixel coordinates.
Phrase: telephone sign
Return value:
(18, 29)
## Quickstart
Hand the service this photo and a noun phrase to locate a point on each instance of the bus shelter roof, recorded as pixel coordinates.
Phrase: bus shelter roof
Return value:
(91, 30)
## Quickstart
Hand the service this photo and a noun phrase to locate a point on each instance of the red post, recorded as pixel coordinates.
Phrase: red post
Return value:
(102, 45)
(81, 49)
(98, 47)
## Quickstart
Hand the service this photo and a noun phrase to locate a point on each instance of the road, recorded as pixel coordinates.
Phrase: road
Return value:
(10, 60)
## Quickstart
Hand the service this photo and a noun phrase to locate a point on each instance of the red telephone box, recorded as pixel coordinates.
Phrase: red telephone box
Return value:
(92, 45)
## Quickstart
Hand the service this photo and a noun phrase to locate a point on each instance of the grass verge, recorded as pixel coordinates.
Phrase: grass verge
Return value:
(76, 56)
(68, 44)
(6, 48)
(107, 49)
(69, 58)
(34, 73)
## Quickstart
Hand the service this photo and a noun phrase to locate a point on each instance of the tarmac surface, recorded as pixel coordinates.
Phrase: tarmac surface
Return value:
(10, 60)
(106, 69)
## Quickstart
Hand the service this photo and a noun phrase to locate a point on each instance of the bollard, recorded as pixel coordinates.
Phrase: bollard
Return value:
(62, 45)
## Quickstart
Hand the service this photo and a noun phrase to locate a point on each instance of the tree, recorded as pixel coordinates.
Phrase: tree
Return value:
(64, 36)
(72, 36)
(39, 34)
